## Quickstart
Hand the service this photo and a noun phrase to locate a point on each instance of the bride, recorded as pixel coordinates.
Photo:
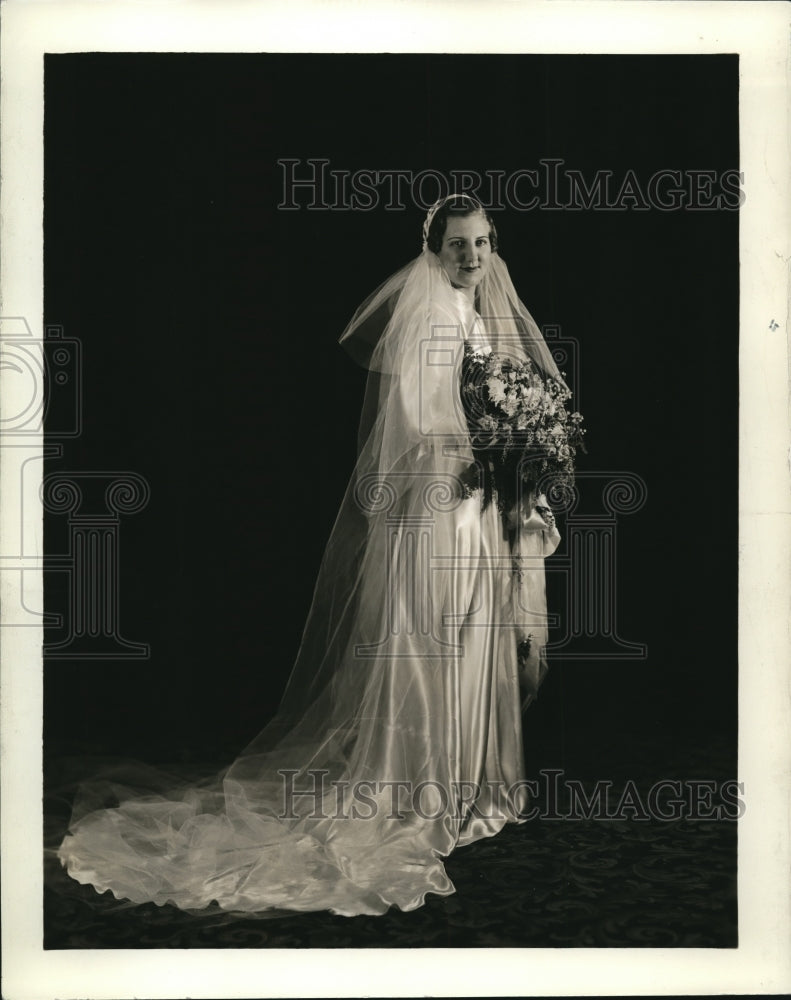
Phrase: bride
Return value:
(399, 735)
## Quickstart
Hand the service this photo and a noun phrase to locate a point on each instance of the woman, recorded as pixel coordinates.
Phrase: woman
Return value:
(399, 735)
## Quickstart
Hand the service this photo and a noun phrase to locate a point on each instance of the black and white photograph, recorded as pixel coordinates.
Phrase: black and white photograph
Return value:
(389, 458)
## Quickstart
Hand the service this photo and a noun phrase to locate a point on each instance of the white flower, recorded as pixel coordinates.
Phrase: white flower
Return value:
(510, 404)
(496, 389)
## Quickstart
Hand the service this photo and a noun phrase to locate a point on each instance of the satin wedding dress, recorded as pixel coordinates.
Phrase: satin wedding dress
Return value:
(400, 734)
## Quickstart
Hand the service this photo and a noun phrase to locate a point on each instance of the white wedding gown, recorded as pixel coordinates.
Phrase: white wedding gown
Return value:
(408, 745)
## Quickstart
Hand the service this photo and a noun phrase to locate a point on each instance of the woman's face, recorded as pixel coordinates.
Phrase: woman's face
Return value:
(466, 251)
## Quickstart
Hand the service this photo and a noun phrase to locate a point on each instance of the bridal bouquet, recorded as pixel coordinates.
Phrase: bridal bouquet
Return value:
(519, 419)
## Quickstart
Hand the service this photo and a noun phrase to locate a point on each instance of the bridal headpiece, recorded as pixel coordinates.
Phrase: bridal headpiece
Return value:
(436, 207)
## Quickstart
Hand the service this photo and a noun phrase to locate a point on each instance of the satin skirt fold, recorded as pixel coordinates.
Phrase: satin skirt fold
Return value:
(410, 747)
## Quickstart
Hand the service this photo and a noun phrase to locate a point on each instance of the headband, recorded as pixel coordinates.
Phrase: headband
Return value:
(438, 205)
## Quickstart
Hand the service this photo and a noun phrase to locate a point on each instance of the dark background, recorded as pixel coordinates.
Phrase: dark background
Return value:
(209, 321)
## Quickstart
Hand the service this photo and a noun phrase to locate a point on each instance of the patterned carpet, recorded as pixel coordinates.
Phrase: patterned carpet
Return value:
(544, 883)
(589, 884)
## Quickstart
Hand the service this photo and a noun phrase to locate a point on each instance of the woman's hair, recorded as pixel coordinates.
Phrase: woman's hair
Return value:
(455, 206)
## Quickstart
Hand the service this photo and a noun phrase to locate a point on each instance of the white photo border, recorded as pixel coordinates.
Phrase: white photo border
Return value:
(759, 33)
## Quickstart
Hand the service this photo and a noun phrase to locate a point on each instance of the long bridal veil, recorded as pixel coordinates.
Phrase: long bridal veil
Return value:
(399, 733)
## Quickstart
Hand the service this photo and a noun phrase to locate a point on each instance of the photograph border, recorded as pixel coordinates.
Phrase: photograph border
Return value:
(758, 32)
